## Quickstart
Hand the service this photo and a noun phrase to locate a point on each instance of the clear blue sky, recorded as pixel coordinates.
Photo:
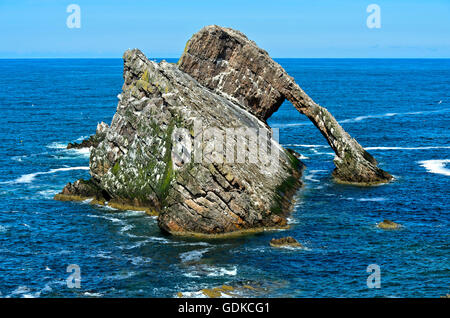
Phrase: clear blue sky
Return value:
(301, 28)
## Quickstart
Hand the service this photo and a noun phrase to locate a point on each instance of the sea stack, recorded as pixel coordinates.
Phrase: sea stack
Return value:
(190, 142)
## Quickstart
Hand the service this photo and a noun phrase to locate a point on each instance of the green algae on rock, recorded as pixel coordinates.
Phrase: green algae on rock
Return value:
(140, 163)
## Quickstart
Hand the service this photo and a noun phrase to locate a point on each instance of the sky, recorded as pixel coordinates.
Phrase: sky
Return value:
(301, 28)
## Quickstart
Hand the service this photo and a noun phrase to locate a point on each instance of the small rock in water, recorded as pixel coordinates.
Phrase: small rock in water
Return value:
(388, 225)
(285, 241)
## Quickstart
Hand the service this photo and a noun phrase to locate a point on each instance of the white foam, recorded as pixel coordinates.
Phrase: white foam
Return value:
(57, 145)
(290, 125)
(126, 228)
(48, 194)
(83, 152)
(310, 178)
(139, 260)
(196, 294)
(88, 294)
(371, 199)
(191, 275)
(114, 220)
(222, 271)
(436, 166)
(28, 178)
(407, 148)
(305, 146)
(387, 115)
(82, 138)
(312, 173)
(194, 255)
(360, 118)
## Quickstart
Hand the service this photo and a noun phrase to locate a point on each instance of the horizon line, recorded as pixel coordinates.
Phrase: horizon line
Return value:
(160, 58)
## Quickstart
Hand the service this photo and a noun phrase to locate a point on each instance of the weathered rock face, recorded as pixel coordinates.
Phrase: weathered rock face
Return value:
(144, 159)
(93, 140)
(225, 61)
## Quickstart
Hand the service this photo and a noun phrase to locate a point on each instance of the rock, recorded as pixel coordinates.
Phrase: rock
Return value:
(288, 241)
(218, 291)
(388, 225)
(231, 65)
(93, 140)
(81, 190)
(446, 296)
(147, 158)
(225, 291)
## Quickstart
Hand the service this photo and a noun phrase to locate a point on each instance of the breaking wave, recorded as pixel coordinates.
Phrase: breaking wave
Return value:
(436, 166)
(28, 178)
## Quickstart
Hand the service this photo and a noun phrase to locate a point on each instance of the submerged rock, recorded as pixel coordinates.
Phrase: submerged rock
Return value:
(388, 225)
(230, 64)
(288, 241)
(227, 291)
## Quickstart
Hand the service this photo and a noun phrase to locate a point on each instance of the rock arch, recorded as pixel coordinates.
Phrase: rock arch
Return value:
(227, 62)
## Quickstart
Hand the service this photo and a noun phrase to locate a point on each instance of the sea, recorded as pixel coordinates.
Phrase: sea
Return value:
(398, 109)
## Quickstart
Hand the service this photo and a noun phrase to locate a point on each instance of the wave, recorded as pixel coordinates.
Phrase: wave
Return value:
(436, 166)
(407, 148)
(367, 148)
(360, 118)
(311, 174)
(89, 294)
(290, 125)
(57, 145)
(376, 199)
(222, 271)
(305, 146)
(371, 199)
(62, 147)
(85, 152)
(48, 194)
(140, 260)
(114, 220)
(3, 229)
(364, 117)
(28, 178)
(194, 255)
(386, 115)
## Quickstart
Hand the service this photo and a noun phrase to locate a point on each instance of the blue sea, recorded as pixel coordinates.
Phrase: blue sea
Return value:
(398, 109)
